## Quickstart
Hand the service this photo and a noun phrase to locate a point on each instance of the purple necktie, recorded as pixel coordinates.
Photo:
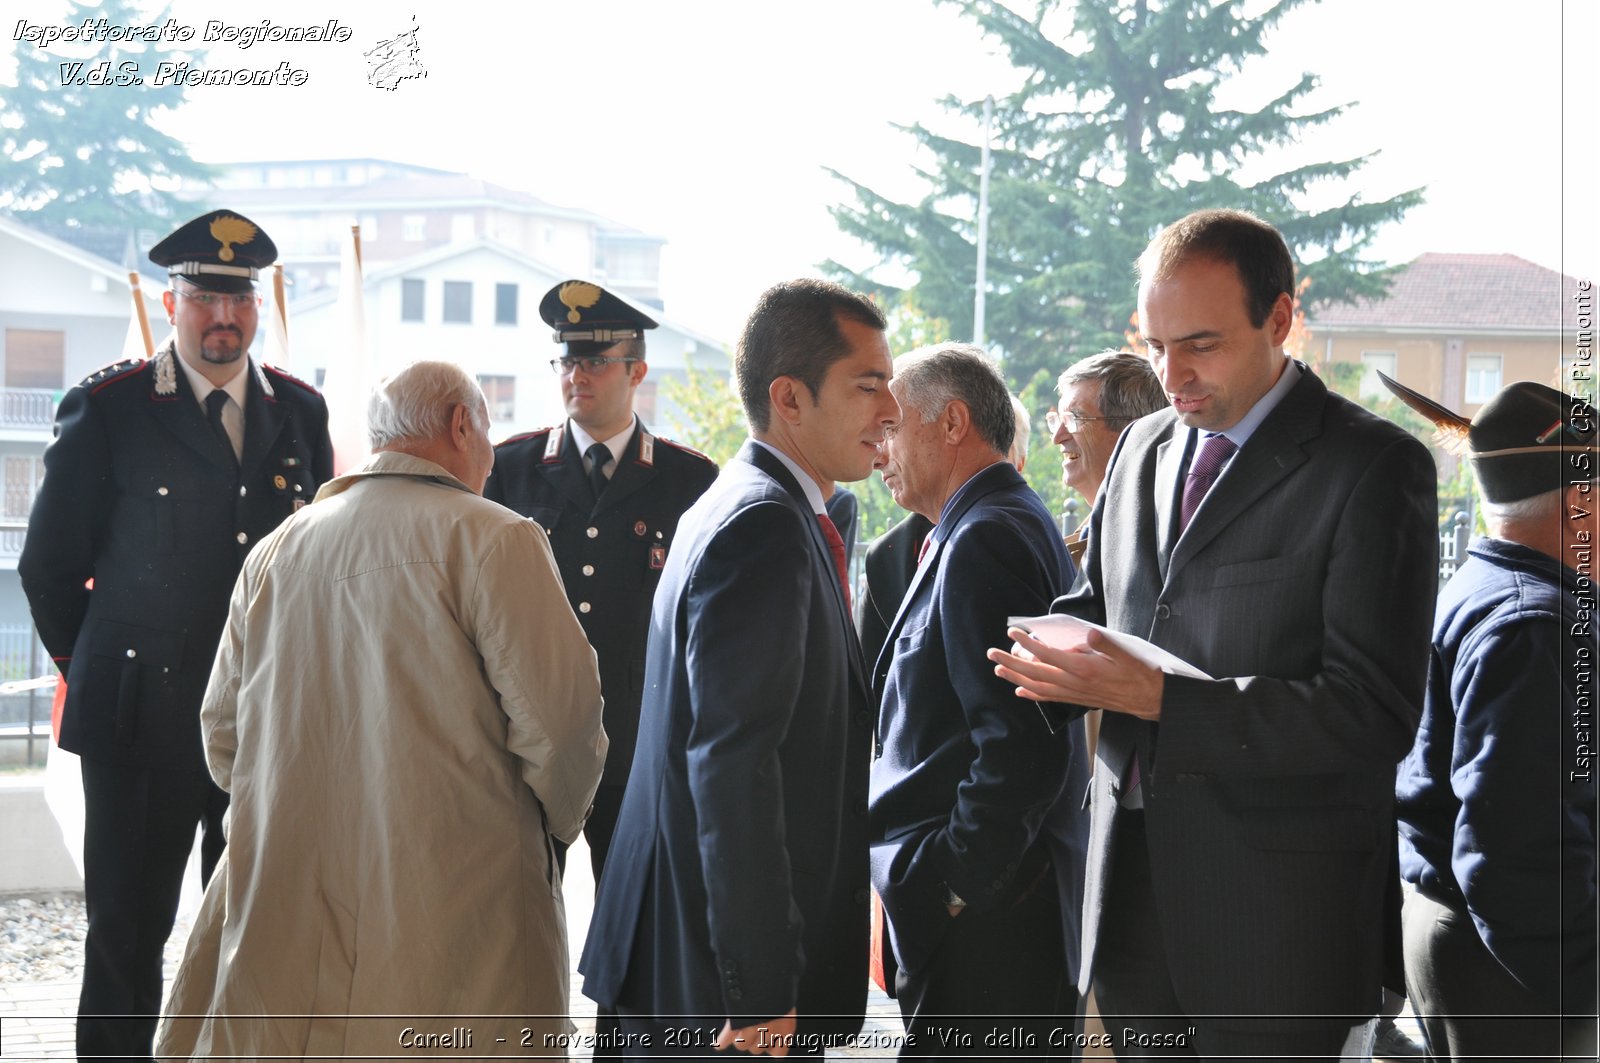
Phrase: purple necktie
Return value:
(1203, 472)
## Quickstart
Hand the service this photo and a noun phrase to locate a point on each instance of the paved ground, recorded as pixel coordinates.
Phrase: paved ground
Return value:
(36, 1017)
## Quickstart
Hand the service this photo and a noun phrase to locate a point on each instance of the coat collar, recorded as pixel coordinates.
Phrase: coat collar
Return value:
(1002, 475)
(391, 463)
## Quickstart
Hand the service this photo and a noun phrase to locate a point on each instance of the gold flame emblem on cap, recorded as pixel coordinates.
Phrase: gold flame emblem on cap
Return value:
(578, 295)
(229, 230)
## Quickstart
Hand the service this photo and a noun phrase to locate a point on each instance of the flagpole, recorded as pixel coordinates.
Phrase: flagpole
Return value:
(278, 297)
(139, 312)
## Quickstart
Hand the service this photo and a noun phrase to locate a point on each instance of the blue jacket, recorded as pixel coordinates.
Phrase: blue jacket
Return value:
(1496, 800)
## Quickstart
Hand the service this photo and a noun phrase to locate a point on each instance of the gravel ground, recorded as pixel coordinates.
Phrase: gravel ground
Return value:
(41, 937)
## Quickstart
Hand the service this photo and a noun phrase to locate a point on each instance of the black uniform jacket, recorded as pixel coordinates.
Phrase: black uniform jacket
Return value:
(141, 496)
(610, 552)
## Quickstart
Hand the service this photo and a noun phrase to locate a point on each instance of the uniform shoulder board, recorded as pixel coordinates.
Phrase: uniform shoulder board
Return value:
(536, 433)
(693, 453)
(288, 378)
(111, 372)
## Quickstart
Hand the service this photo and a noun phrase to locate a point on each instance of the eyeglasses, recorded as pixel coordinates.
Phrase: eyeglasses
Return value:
(1073, 421)
(592, 364)
(237, 300)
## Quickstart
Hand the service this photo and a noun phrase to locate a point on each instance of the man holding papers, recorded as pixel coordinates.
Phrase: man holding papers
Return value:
(962, 779)
(1280, 538)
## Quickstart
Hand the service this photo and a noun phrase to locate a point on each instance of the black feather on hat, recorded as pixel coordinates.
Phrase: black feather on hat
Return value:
(1522, 440)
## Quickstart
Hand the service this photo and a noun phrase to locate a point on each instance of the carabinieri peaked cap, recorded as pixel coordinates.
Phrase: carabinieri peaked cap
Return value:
(1522, 442)
(223, 251)
(582, 312)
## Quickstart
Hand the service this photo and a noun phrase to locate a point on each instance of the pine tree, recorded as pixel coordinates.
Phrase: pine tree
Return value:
(88, 156)
(1114, 132)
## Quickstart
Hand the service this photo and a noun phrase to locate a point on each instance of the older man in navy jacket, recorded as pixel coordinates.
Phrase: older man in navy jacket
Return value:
(965, 773)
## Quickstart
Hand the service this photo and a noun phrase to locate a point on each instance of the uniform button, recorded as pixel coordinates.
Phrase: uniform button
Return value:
(243, 490)
(588, 570)
(243, 538)
(593, 533)
(583, 607)
(1163, 611)
(161, 490)
(131, 653)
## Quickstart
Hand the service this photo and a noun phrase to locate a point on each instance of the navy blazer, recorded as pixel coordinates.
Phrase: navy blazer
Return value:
(1305, 584)
(737, 882)
(966, 771)
(140, 494)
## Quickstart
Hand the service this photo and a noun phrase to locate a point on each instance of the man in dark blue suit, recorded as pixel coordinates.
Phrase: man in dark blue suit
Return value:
(733, 911)
(963, 778)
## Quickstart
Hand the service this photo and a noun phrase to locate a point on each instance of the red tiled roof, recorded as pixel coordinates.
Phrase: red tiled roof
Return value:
(1458, 291)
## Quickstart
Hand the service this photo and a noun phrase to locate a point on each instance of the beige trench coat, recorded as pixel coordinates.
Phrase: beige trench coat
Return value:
(405, 711)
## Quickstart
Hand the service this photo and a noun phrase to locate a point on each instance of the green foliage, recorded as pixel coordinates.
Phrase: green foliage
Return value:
(712, 417)
(1114, 132)
(90, 155)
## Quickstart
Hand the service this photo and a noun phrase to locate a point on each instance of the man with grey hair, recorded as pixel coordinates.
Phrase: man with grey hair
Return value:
(1100, 396)
(402, 691)
(1496, 800)
(962, 779)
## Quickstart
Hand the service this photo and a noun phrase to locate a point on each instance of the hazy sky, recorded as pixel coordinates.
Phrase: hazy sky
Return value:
(712, 122)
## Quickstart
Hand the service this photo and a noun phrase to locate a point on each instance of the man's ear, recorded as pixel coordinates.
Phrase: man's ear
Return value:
(169, 303)
(784, 395)
(636, 373)
(461, 427)
(956, 422)
(1280, 318)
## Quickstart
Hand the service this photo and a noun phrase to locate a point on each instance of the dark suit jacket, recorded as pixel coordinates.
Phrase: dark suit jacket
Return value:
(1305, 585)
(610, 552)
(736, 885)
(889, 566)
(965, 771)
(141, 495)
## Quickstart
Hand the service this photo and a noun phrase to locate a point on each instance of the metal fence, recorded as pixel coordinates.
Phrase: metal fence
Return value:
(27, 687)
(28, 407)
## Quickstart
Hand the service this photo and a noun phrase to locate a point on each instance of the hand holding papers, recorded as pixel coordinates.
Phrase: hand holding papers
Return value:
(1058, 658)
(1070, 633)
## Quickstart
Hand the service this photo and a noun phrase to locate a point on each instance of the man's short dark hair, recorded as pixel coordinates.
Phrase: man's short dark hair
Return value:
(1236, 237)
(930, 378)
(794, 331)
(1129, 387)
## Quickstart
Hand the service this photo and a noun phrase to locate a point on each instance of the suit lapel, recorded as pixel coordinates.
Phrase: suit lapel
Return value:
(1273, 451)
(263, 420)
(1169, 470)
(179, 412)
(822, 554)
(982, 484)
(631, 472)
(568, 475)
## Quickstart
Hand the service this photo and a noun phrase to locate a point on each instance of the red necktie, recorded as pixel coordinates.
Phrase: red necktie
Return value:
(840, 562)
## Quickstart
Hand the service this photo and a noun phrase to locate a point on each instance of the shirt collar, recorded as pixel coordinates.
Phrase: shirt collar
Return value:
(810, 486)
(238, 388)
(1240, 433)
(617, 444)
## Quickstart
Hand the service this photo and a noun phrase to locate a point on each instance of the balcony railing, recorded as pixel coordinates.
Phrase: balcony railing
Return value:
(28, 407)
